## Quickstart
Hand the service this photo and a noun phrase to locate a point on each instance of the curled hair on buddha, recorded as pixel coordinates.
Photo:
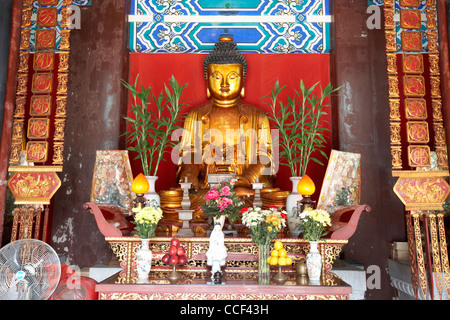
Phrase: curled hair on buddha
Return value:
(225, 52)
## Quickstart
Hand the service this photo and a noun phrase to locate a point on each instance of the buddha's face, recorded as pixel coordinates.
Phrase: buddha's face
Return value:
(225, 81)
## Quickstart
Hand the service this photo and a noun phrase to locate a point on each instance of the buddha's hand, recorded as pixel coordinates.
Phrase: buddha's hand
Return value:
(243, 181)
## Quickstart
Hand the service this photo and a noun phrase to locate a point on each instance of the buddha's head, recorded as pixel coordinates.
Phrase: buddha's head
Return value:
(225, 69)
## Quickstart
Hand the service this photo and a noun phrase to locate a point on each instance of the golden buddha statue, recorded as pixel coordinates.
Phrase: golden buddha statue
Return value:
(226, 135)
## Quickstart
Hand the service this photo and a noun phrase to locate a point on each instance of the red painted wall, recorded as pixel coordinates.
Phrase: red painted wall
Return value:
(263, 71)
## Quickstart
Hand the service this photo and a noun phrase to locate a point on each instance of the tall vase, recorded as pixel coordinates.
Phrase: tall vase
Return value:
(314, 261)
(144, 260)
(291, 208)
(152, 197)
(263, 264)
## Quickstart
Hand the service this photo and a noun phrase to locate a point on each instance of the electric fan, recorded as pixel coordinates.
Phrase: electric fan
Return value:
(29, 270)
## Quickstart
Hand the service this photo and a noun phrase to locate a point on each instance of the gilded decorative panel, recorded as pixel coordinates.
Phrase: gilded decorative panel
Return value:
(34, 187)
(421, 192)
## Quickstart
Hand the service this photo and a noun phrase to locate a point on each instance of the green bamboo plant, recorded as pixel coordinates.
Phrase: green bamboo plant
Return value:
(300, 125)
(151, 129)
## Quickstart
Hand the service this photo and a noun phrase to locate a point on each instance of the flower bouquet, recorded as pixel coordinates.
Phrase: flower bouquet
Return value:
(221, 200)
(146, 220)
(313, 223)
(264, 226)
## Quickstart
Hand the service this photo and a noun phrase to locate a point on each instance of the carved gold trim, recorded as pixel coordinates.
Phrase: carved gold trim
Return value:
(395, 133)
(61, 106)
(22, 81)
(439, 133)
(435, 83)
(35, 169)
(435, 253)
(23, 62)
(396, 154)
(25, 39)
(417, 174)
(412, 254)
(16, 148)
(394, 91)
(431, 4)
(216, 296)
(420, 257)
(431, 19)
(63, 62)
(391, 40)
(19, 110)
(60, 125)
(442, 157)
(64, 43)
(58, 149)
(410, 3)
(432, 42)
(391, 63)
(389, 22)
(436, 105)
(444, 253)
(26, 17)
(394, 107)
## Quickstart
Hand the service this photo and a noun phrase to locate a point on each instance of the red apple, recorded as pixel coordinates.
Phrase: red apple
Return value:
(173, 250)
(165, 258)
(181, 251)
(182, 259)
(173, 259)
(175, 242)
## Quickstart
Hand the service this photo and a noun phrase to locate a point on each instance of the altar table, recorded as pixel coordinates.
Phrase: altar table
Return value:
(236, 286)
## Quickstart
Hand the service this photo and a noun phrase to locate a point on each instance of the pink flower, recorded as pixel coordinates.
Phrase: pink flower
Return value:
(225, 191)
(224, 203)
(212, 194)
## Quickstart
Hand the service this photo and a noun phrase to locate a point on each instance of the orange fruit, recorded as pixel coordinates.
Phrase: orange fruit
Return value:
(278, 245)
(282, 253)
(273, 261)
(274, 253)
(288, 261)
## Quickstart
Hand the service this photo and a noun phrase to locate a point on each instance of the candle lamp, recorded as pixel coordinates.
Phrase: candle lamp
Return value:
(306, 188)
(139, 186)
